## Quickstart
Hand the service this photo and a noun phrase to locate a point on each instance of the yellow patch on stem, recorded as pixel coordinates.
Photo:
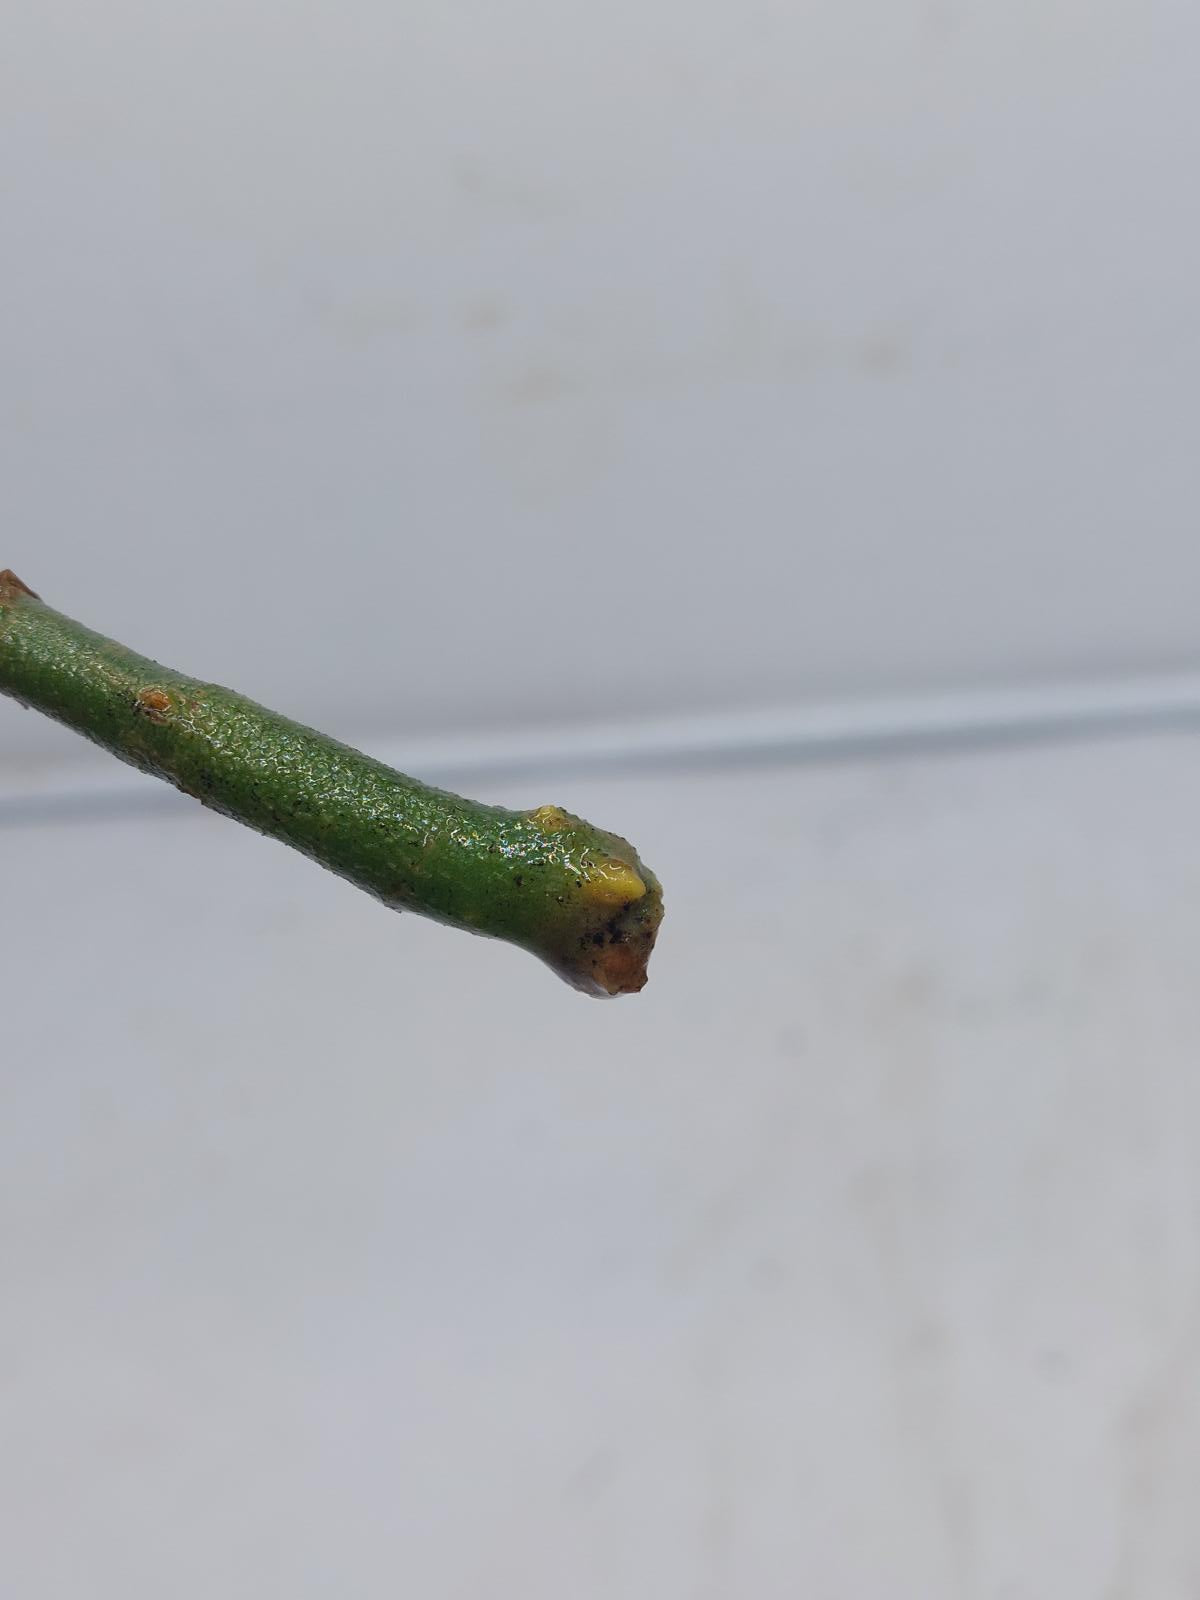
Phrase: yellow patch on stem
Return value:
(613, 883)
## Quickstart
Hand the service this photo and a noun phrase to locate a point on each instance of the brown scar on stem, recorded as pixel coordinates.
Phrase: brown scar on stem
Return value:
(11, 587)
(154, 704)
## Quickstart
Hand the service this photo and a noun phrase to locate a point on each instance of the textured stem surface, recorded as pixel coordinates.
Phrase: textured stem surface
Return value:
(572, 894)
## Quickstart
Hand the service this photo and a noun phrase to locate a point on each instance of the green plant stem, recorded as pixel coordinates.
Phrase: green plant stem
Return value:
(572, 894)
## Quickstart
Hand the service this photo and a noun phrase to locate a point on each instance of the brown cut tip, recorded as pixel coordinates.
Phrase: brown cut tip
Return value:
(11, 587)
(610, 954)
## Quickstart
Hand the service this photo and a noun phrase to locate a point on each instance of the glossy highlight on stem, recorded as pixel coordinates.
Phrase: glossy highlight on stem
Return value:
(572, 894)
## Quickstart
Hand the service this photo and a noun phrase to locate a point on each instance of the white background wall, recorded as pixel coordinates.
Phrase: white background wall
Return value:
(426, 365)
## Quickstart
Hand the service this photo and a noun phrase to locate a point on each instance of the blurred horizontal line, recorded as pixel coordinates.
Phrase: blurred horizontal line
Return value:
(835, 731)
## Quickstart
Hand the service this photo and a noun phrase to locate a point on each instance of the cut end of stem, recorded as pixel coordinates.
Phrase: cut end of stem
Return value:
(610, 954)
(619, 963)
